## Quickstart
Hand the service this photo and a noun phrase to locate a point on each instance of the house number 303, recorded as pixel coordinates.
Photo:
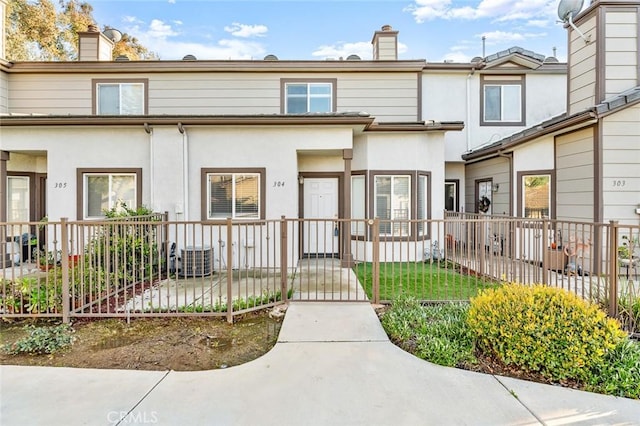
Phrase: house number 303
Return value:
(60, 185)
(618, 183)
(278, 184)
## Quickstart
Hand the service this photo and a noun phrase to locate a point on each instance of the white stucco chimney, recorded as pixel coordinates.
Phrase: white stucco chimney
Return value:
(94, 46)
(385, 44)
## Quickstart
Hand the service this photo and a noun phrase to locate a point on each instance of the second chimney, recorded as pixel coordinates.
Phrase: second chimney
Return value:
(94, 46)
(385, 44)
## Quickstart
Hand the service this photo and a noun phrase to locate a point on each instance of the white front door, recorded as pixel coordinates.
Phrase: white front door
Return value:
(320, 202)
(18, 203)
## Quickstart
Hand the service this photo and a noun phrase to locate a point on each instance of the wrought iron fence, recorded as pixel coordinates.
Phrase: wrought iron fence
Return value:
(143, 266)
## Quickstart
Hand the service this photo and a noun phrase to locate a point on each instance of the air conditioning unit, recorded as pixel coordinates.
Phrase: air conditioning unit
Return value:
(196, 261)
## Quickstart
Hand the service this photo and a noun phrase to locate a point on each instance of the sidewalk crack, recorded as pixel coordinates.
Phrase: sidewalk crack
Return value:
(514, 395)
(123, 418)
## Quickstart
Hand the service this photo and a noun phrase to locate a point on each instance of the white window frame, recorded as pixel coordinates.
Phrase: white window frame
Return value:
(425, 198)
(524, 195)
(233, 213)
(113, 202)
(358, 205)
(309, 96)
(400, 229)
(141, 108)
(447, 185)
(503, 104)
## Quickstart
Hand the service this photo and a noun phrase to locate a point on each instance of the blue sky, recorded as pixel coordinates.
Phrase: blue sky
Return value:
(435, 30)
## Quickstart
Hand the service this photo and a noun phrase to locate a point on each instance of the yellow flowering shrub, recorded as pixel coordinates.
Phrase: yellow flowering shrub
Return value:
(543, 329)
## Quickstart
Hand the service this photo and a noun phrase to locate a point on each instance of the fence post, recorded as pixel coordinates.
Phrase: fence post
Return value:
(613, 269)
(66, 296)
(229, 271)
(283, 258)
(375, 285)
(543, 249)
(482, 244)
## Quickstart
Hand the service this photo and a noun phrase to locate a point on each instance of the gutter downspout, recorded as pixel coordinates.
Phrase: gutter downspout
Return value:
(185, 170)
(468, 121)
(149, 131)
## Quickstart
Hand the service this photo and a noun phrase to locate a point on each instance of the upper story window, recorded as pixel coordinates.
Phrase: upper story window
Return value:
(106, 189)
(302, 96)
(233, 193)
(120, 97)
(502, 101)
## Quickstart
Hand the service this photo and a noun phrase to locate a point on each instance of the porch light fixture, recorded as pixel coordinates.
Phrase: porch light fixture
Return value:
(495, 187)
(300, 179)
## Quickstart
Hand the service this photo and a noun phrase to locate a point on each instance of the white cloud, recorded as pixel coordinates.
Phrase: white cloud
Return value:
(343, 49)
(246, 31)
(499, 37)
(162, 38)
(498, 10)
(455, 57)
(541, 23)
(158, 29)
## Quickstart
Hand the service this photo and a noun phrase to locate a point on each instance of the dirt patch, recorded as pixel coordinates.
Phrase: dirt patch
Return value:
(180, 344)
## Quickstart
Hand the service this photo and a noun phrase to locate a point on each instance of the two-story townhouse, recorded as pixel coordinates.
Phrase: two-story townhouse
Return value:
(497, 95)
(582, 166)
(586, 159)
(208, 140)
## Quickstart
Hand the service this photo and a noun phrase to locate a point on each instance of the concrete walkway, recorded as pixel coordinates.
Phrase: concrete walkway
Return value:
(332, 365)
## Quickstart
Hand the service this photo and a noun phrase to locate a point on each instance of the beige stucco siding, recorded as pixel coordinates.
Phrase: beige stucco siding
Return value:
(273, 148)
(620, 171)
(405, 153)
(496, 169)
(575, 176)
(621, 46)
(583, 67)
(387, 96)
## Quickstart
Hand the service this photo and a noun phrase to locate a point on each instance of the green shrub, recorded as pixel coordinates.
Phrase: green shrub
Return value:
(42, 340)
(619, 373)
(436, 333)
(543, 329)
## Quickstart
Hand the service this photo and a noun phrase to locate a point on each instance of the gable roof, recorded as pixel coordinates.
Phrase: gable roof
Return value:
(513, 50)
(558, 123)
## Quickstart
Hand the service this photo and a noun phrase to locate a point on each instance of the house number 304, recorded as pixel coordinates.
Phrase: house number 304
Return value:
(60, 185)
(278, 184)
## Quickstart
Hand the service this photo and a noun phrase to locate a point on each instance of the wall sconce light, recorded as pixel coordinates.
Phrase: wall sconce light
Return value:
(495, 187)
(300, 179)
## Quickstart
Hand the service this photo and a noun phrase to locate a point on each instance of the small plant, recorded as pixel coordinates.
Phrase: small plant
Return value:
(49, 257)
(543, 329)
(437, 333)
(619, 373)
(42, 340)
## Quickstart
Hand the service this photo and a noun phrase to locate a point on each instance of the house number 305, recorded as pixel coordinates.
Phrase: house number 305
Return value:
(278, 184)
(60, 185)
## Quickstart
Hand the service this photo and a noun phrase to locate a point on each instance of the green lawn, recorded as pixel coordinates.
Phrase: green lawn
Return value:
(422, 280)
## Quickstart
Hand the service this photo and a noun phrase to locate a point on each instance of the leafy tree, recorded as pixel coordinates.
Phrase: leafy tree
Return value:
(37, 30)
